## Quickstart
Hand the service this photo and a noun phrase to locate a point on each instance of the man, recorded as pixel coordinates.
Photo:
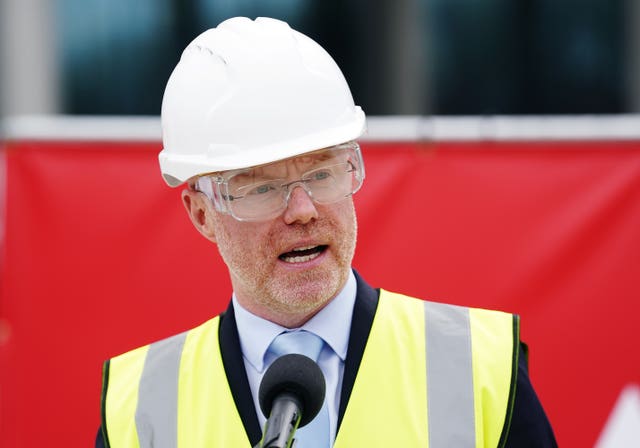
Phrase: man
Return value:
(260, 124)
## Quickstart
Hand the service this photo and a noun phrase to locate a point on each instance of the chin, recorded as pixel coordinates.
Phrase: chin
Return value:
(307, 292)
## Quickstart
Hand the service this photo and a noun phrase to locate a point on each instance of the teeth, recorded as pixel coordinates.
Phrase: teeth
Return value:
(302, 254)
(302, 248)
(302, 258)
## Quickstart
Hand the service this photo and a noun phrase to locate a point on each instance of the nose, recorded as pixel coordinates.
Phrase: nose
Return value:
(300, 206)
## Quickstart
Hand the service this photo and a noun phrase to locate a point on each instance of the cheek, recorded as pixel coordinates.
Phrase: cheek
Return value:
(345, 218)
(344, 228)
(239, 244)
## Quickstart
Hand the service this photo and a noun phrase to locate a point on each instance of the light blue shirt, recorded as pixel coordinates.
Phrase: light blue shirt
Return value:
(332, 323)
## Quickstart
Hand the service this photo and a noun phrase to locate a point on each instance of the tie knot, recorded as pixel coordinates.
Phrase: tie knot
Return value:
(301, 342)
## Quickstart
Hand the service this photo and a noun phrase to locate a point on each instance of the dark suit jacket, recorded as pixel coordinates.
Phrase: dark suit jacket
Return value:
(529, 425)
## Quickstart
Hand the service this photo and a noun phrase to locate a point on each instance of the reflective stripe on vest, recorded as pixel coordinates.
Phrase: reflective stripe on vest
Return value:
(157, 411)
(449, 376)
(431, 375)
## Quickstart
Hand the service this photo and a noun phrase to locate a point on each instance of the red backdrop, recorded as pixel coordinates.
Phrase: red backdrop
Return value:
(99, 257)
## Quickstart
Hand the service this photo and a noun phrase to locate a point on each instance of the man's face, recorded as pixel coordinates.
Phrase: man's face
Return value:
(287, 268)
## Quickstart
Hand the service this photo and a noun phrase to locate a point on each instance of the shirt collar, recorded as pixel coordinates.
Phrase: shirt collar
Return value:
(257, 333)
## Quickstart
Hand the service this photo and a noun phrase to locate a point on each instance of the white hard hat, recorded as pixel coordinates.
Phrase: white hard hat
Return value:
(252, 92)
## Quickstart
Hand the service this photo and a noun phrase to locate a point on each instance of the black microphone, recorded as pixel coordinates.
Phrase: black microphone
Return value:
(291, 395)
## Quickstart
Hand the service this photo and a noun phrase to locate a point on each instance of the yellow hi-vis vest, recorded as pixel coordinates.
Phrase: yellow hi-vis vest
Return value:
(431, 375)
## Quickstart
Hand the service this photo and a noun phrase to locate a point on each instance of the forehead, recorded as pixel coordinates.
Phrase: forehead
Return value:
(300, 163)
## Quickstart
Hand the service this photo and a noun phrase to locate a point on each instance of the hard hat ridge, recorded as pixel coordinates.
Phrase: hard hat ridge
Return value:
(252, 92)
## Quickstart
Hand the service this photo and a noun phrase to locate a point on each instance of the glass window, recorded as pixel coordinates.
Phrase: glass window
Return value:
(411, 57)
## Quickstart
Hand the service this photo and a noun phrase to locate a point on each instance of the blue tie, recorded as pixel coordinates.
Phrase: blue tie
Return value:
(316, 433)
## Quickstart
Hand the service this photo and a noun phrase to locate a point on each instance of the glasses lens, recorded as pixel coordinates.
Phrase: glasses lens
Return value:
(257, 200)
(262, 193)
(329, 183)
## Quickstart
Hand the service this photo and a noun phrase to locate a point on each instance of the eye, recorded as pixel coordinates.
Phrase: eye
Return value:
(261, 189)
(321, 175)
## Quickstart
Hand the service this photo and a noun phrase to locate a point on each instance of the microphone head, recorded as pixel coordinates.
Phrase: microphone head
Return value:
(298, 375)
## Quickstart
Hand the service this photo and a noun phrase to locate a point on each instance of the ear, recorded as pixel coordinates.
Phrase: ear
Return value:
(200, 210)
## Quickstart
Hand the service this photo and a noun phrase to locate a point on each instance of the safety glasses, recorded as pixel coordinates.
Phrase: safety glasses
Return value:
(262, 193)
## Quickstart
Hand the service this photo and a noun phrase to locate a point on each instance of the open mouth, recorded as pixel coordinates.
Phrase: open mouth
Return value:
(303, 254)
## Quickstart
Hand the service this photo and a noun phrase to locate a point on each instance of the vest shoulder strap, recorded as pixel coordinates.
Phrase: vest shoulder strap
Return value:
(172, 393)
(433, 375)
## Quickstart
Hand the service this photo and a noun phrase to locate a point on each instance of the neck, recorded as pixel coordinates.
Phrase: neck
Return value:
(281, 316)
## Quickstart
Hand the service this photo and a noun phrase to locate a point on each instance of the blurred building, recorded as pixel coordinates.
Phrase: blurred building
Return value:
(421, 57)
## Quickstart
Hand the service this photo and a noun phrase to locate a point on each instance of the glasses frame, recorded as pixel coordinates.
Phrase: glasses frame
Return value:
(216, 185)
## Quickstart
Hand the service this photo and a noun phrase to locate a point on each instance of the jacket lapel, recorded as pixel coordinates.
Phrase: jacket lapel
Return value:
(364, 310)
(237, 375)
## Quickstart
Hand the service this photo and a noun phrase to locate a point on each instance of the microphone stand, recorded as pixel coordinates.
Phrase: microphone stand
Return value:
(282, 423)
